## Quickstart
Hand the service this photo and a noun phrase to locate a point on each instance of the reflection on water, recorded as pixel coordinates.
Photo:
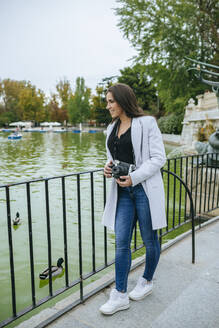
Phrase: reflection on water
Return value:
(49, 154)
(40, 155)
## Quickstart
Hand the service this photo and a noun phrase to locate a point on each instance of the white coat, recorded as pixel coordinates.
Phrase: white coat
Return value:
(150, 158)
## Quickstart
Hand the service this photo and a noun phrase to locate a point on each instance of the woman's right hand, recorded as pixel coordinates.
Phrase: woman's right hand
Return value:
(107, 170)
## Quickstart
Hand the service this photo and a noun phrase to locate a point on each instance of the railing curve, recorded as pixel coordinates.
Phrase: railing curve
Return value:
(192, 214)
(94, 180)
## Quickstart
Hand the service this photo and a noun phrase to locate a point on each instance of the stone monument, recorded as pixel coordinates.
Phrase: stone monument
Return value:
(203, 178)
(196, 117)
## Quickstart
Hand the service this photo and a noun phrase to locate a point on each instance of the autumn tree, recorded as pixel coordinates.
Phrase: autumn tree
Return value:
(31, 104)
(55, 111)
(21, 101)
(9, 93)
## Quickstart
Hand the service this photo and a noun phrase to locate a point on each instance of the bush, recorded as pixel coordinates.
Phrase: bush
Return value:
(205, 132)
(7, 117)
(201, 135)
(171, 123)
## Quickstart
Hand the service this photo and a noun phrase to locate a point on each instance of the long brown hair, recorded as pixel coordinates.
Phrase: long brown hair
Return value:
(125, 97)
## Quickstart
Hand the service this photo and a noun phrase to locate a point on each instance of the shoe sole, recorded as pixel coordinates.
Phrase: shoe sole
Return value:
(124, 307)
(141, 297)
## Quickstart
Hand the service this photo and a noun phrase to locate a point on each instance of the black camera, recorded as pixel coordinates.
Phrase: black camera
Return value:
(121, 168)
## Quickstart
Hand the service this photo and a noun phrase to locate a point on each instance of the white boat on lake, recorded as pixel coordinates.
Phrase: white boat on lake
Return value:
(15, 136)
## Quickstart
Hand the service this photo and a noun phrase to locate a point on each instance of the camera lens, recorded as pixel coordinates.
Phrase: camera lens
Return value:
(115, 172)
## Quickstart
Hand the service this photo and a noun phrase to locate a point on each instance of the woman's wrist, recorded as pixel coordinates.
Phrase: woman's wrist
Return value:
(124, 181)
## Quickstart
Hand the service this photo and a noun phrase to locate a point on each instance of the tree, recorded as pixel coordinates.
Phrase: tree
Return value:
(56, 113)
(164, 32)
(5, 117)
(167, 29)
(98, 107)
(31, 104)
(10, 91)
(78, 105)
(138, 79)
(63, 88)
(21, 101)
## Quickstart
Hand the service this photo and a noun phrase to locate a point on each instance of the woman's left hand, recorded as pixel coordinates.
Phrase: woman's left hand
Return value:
(127, 181)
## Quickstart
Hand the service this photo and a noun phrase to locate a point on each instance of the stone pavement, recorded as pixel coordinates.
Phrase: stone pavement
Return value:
(172, 139)
(184, 295)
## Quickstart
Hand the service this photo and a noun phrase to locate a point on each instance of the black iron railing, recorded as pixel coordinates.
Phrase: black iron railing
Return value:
(191, 192)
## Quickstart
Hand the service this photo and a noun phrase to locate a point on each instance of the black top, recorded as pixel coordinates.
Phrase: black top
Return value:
(121, 148)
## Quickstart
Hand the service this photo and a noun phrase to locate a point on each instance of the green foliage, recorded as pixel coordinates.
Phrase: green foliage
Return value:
(171, 123)
(63, 88)
(20, 101)
(98, 107)
(137, 78)
(10, 93)
(98, 102)
(78, 105)
(60, 113)
(163, 33)
(31, 104)
(6, 117)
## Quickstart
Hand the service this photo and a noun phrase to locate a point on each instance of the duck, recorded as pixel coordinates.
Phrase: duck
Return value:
(17, 219)
(64, 165)
(56, 270)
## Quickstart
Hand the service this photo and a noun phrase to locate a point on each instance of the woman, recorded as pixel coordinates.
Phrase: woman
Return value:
(135, 139)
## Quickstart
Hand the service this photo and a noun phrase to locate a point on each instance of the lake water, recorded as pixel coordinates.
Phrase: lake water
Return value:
(49, 154)
(40, 155)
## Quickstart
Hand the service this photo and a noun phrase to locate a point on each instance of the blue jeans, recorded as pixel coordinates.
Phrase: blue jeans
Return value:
(133, 204)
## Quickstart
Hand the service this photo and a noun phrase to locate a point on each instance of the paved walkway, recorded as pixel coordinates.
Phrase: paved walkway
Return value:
(184, 295)
(173, 139)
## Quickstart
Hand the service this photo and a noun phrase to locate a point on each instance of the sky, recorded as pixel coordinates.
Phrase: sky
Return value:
(43, 41)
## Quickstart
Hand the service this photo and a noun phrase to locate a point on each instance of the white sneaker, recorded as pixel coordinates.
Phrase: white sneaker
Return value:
(141, 290)
(117, 301)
